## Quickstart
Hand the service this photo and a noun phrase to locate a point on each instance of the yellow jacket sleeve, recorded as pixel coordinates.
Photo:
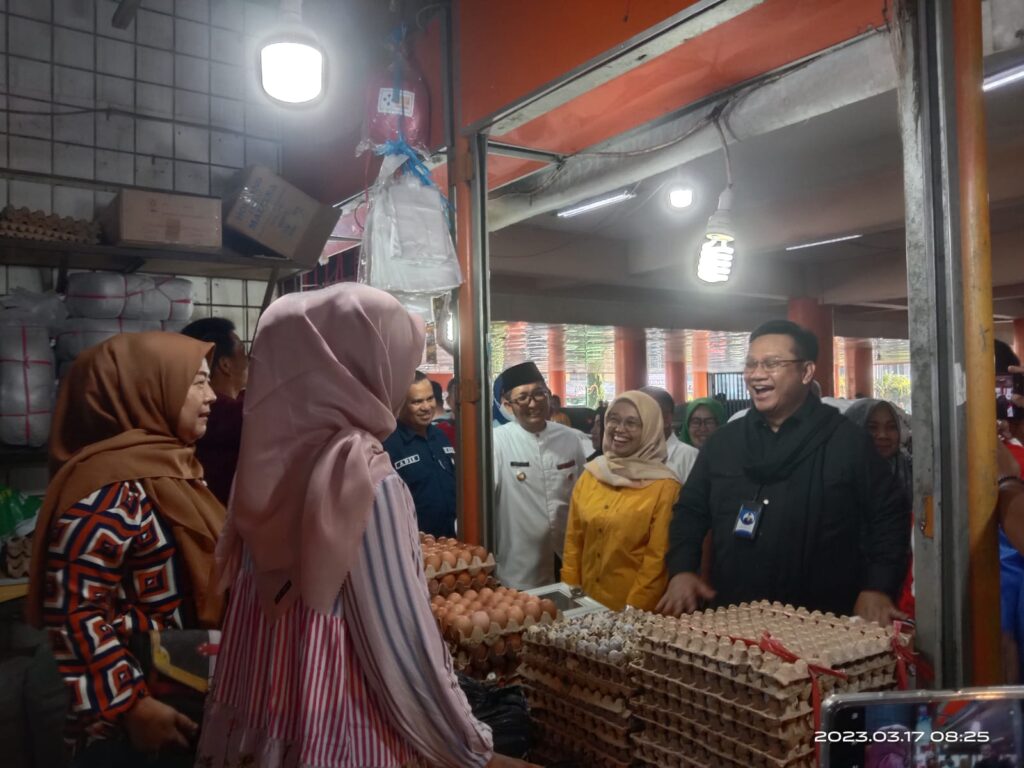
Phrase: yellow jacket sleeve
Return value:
(572, 555)
(652, 578)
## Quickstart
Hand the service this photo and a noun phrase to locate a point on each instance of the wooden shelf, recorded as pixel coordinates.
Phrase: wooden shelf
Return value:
(223, 263)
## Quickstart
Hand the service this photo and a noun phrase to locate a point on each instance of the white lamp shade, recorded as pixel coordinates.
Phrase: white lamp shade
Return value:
(292, 71)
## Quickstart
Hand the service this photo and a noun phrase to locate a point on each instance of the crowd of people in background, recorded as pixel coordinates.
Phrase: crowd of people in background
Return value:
(346, 452)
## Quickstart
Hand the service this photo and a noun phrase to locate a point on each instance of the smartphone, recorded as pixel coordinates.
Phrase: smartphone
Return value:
(923, 729)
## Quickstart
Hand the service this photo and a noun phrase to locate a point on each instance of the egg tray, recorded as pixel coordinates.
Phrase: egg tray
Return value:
(479, 581)
(494, 632)
(768, 709)
(653, 752)
(566, 741)
(574, 659)
(614, 730)
(743, 681)
(707, 743)
(785, 732)
(619, 684)
(474, 566)
(615, 710)
(785, 744)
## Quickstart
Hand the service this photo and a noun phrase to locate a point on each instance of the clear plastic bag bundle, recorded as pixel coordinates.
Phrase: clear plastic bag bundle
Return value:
(407, 247)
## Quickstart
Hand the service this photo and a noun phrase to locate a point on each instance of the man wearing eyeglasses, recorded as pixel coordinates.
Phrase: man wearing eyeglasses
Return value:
(536, 464)
(800, 506)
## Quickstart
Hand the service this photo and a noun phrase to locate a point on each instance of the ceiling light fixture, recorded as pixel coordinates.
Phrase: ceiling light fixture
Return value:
(291, 61)
(593, 205)
(842, 239)
(680, 197)
(714, 265)
(999, 79)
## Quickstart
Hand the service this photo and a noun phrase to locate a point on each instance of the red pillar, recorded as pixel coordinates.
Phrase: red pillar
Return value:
(700, 364)
(630, 358)
(818, 319)
(675, 365)
(1018, 336)
(556, 360)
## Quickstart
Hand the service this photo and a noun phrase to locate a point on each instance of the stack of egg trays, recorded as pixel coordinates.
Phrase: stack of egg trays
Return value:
(579, 704)
(688, 698)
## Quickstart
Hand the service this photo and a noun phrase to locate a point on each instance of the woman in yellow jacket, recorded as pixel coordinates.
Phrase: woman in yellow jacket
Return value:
(620, 510)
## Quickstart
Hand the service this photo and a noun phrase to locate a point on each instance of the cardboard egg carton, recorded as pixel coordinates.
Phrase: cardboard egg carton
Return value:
(613, 730)
(495, 632)
(617, 685)
(472, 567)
(612, 706)
(711, 709)
(686, 753)
(564, 740)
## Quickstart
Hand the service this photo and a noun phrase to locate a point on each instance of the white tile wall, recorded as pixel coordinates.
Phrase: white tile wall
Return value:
(170, 103)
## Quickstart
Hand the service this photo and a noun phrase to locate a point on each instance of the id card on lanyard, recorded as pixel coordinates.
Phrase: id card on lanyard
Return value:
(748, 519)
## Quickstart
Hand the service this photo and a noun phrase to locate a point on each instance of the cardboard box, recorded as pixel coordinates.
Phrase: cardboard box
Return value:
(265, 208)
(158, 219)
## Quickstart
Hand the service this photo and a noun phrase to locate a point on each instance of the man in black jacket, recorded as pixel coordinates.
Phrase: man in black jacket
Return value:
(800, 506)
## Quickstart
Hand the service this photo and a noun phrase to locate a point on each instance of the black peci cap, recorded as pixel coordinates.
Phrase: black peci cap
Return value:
(517, 375)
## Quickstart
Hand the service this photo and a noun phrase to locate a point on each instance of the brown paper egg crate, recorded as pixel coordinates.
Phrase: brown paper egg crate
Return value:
(38, 225)
(578, 696)
(711, 699)
(450, 565)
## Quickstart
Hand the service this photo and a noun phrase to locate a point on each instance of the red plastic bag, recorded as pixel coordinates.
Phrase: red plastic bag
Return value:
(397, 106)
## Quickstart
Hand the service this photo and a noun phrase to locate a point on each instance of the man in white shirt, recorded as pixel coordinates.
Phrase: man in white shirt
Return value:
(681, 457)
(536, 464)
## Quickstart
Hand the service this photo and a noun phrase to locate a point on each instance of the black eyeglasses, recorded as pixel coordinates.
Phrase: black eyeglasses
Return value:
(537, 396)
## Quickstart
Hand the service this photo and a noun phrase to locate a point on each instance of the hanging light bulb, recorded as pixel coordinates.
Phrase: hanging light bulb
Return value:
(718, 249)
(292, 61)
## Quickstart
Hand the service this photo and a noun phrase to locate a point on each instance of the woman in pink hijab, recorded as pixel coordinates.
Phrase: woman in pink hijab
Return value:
(330, 657)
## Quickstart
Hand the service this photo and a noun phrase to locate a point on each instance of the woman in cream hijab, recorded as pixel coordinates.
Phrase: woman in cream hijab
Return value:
(621, 508)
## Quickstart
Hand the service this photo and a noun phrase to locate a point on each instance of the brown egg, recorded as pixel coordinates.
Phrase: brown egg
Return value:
(516, 615)
(549, 607)
(499, 617)
(482, 620)
(480, 580)
(463, 625)
(515, 642)
(427, 539)
(533, 610)
(448, 582)
(432, 561)
(480, 552)
(463, 580)
(437, 600)
(479, 656)
(433, 586)
(502, 590)
(464, 556)
(449, 559)
(470, 595)
(499, 647)
(487, 595)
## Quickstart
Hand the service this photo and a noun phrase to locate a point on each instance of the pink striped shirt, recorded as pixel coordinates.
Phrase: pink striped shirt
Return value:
(369, 685)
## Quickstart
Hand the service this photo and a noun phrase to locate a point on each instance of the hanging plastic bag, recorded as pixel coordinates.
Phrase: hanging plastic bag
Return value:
(407, 247)
(397, 103)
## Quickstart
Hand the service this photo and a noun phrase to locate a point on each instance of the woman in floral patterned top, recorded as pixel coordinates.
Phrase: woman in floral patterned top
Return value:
(125, 539)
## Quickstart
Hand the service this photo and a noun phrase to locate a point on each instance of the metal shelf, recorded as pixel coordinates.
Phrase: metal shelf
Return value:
(222, 263)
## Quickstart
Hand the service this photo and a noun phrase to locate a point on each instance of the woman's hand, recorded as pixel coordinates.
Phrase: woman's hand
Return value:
(152, 725)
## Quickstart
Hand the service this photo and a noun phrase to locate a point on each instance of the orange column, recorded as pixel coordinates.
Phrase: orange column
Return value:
(817, 318)
(864, 367)
(556, 360)
(630, 358)
(700, 364)
(1018, 336)
(675, 365)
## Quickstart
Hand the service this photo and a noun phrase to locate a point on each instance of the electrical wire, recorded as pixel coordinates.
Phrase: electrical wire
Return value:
(725, 149)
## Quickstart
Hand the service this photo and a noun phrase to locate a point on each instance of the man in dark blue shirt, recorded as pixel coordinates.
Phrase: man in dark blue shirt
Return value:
(425, 460)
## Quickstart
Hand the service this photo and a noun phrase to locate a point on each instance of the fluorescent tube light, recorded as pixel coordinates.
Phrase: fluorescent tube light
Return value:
(842, 239)
(999, 79)
(593, 205)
